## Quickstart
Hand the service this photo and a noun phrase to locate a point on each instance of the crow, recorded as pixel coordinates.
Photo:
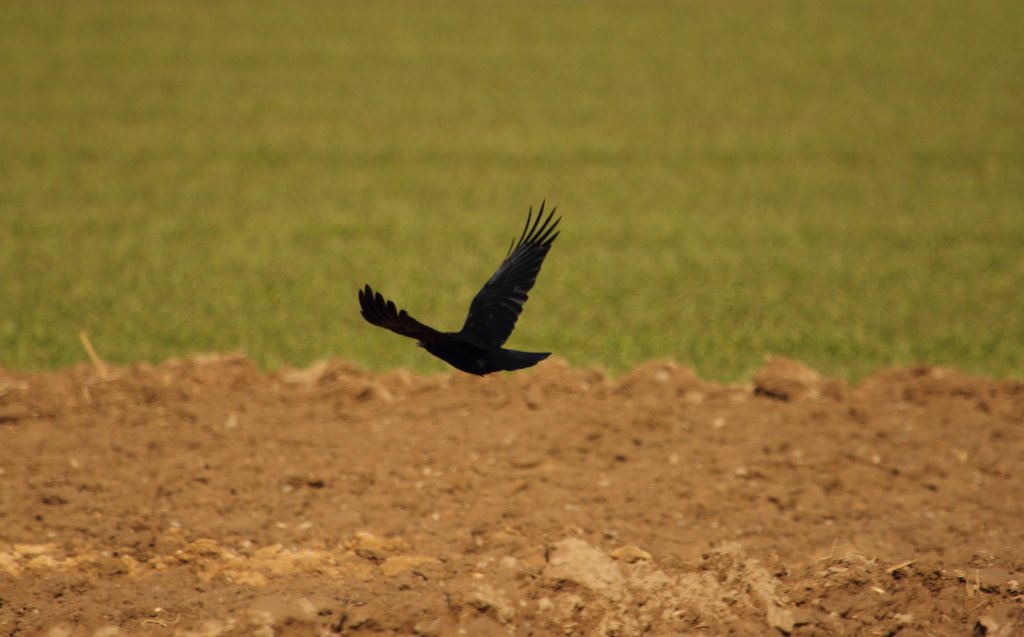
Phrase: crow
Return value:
(477, 347)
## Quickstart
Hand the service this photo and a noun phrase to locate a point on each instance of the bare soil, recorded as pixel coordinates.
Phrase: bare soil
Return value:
(207, 497)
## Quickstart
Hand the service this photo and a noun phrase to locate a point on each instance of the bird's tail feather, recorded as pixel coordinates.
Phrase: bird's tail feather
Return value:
(512, 359)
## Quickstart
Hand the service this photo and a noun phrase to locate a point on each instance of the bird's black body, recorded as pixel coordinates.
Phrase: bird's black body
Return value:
(474, 359)
(477, 347)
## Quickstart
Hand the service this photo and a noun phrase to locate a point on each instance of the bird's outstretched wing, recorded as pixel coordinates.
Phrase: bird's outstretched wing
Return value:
(496, 307)
(380, 312)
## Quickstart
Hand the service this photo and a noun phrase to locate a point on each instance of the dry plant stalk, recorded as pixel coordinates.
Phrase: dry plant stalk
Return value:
(97, 362)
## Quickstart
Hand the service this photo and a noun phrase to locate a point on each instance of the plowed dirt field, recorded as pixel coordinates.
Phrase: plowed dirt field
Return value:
(208, 497)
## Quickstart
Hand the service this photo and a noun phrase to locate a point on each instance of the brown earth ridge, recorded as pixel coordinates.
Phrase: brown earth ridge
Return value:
(205, 497)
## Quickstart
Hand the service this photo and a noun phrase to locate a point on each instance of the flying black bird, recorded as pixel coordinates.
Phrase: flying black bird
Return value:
(477, 347)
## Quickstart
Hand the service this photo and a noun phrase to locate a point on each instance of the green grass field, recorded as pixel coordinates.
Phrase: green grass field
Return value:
(837, 182)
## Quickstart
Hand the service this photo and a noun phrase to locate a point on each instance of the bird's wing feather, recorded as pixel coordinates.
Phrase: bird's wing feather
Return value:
(383, 313)
(496, 307)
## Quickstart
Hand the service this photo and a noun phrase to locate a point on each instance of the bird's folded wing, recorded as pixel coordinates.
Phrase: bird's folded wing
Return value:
(383, 313)
(496, 307)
